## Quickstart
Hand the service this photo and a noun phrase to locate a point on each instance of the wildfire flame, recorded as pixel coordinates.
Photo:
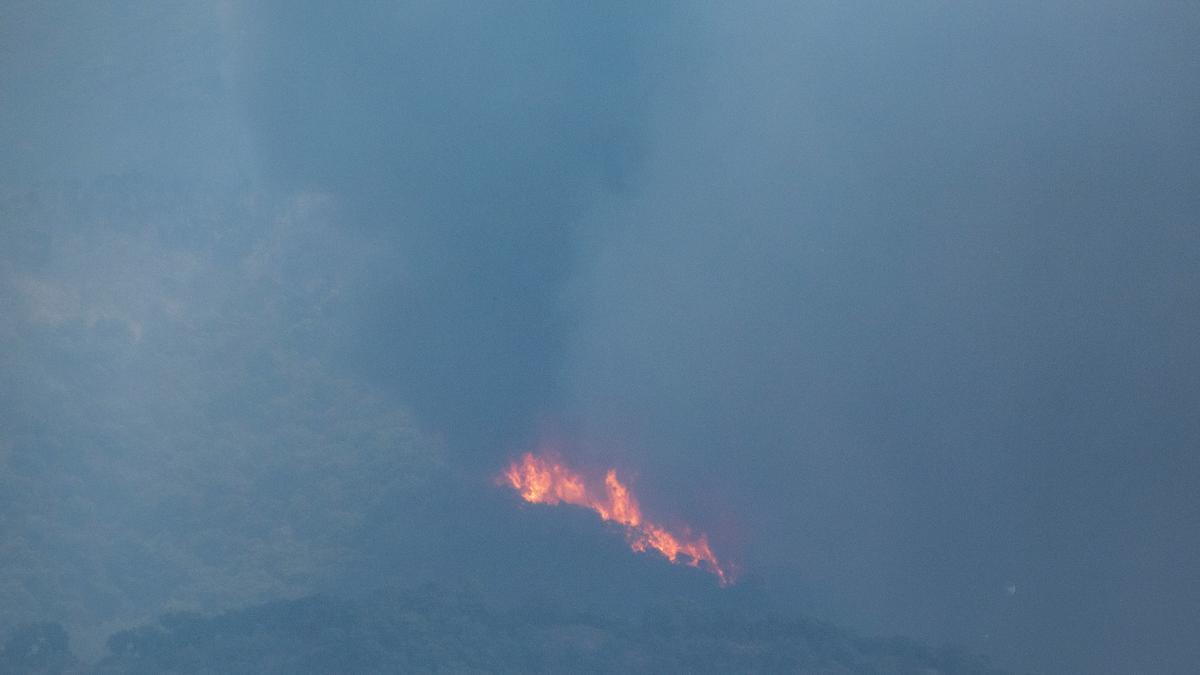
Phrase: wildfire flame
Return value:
(545, 481)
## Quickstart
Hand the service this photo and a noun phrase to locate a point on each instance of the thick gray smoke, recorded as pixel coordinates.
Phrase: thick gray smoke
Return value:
(470, 142)
(910, 294)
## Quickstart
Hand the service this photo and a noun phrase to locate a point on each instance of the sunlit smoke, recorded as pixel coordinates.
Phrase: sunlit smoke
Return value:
(540, 480)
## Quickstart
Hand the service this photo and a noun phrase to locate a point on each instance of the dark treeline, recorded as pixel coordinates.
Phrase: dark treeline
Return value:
(430, 629)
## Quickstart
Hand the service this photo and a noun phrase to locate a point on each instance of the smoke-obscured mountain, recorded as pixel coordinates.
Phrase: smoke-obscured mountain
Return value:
(896, 303)
(431, 630)
(171, 437)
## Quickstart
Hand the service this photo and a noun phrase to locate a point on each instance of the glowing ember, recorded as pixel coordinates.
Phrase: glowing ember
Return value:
(544, 481)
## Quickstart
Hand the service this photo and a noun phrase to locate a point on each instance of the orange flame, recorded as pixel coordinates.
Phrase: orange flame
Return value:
(543, 481)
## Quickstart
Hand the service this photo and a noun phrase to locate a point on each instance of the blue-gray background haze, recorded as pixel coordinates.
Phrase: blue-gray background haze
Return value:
(899, 302)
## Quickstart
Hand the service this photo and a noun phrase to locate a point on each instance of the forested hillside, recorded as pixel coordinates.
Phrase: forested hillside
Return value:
(429, 629)
(173, 431)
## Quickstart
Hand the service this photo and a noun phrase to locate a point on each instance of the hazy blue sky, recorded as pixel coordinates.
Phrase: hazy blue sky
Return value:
(900, 302)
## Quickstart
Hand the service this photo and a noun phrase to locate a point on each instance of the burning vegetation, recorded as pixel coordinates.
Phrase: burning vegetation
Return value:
(540, 480)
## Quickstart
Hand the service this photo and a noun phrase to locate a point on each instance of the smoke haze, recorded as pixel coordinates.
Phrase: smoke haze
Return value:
(899, 304)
